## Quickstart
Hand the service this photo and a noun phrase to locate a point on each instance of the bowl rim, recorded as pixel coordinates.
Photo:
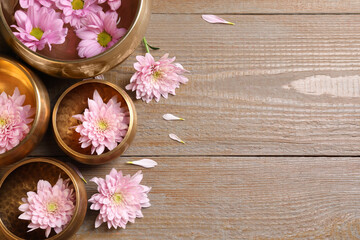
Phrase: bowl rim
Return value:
(80, 60)
(58, 164)
(35, 85)
(129, 105)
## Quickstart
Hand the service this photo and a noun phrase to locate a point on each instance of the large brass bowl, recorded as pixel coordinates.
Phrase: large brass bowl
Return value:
(14, 74)
(62, 61)
(74, 101)
(23, 177)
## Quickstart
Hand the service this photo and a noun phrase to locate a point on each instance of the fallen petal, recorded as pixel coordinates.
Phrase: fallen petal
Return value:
(170, 117)
(100, 77)
(77, 171)
(146, 163)
(175, 138)
(215, 19)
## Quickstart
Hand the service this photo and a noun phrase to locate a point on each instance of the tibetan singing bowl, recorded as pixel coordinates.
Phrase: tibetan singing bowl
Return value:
(23, 177)
(63, 60)
(74, 101)
(12, 75)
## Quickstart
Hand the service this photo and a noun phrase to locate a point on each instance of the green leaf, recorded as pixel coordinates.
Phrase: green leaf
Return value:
(153, 48)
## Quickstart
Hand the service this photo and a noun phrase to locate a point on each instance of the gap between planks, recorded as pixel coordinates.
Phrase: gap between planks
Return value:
(215, 156)
(260, 14)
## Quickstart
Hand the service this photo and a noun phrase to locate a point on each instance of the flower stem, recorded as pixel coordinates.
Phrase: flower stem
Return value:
(146, 45)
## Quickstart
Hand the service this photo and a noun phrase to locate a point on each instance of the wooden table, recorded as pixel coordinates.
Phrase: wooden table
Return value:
(272, 124)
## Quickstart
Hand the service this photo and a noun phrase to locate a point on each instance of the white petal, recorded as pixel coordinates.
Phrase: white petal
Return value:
(175, 138)
(101, 77)
(170, 117)
(77, 171)
(215, 19)
(146, 163)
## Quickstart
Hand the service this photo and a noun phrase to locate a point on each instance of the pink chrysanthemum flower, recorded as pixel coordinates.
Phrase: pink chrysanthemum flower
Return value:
(75, 10)
(120, 199)
(154, 79)
(98, 34)
(49, 207)
(103, 125)
(14, 120)
(30, 3)
(38, 27)
(114, 4)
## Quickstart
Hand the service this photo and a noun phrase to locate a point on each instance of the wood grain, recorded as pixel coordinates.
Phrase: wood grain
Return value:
(249, 94)
(238, 100)
(240, 198)
(256, 6)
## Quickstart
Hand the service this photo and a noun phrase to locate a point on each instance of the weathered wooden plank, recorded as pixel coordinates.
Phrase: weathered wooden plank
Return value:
(256, 6)
(240, 198)
(242, 97)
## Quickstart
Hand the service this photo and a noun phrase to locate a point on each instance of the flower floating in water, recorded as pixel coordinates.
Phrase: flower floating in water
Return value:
(14, 120)
(103, 125)
(75, 10)
(120, 199)
(99, 33)
(114, 4)
(30, 3)
(49, 207)
(38, 27)
(154, 79)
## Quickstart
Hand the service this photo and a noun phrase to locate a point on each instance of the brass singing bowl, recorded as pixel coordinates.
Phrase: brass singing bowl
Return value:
(23, 177)
(74, 101)
(63, 61)
(14, 74)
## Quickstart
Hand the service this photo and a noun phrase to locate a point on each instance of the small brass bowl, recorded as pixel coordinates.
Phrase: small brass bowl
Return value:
(63, 61)
(74, 101)
(23, 177)
(14, 74)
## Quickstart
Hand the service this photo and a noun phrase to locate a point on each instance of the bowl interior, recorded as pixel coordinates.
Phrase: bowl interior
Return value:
(67, 51)
(12, 76)
(15, 187)
(75, 102)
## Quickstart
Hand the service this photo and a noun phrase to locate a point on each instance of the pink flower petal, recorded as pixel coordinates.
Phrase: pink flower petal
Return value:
(215, 19)
(114, 4)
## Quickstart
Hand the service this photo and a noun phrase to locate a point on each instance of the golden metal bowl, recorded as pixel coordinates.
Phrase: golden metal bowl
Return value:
(14, 74)
(74, 101)
(63, 61)
(23, 177)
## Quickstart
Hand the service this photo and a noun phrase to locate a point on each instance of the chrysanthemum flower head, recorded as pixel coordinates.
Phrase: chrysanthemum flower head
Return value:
(154, 79)
(103, 125)
(119, 199)
(14, 120)
(99, 33)
(50, 207)
(39, 26)
(75, 10)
